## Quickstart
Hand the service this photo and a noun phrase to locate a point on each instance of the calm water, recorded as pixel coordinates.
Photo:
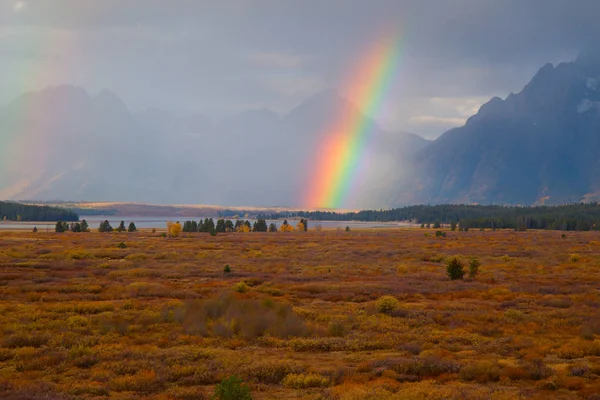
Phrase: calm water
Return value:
(160, 223)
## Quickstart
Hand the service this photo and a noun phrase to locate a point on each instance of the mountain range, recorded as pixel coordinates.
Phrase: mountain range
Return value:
(66, 144)
(539, 146)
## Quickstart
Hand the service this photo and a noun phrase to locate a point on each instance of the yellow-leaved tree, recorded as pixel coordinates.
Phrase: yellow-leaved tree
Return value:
(243, 228)
(173, 229)
(285, 227)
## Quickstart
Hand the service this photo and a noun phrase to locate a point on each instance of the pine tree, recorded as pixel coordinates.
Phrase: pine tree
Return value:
(84, 226)
(220, 225)
(238, 224)
(105, 227)
(132, 227)
(229, 226)
(260, 226)
(272, 227)
(61, 226)
(121, 227)
(210, 225)
(455, 269)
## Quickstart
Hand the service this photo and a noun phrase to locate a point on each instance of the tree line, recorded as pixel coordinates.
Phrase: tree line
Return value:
(63, 226)
(226, 225)
(24, 212)
(571, 217)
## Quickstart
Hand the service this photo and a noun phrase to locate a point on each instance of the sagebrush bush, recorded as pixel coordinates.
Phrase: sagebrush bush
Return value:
(305, 381)
(241, 287)
(386, 304)
(228, 315)
(232, 388)
(481, 371)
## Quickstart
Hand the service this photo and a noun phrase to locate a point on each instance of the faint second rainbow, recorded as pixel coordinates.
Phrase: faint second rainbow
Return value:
(341, 154)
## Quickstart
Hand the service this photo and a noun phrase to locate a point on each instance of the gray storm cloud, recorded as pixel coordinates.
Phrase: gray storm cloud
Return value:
(191, 55)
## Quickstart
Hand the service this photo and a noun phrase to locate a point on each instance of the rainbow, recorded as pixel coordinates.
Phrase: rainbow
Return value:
(343, 151)
(25, 146)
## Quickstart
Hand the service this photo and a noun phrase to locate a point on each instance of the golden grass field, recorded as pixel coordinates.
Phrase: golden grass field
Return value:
(84, 316)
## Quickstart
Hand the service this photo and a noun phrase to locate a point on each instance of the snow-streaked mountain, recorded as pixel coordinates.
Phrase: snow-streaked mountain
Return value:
(541, 145)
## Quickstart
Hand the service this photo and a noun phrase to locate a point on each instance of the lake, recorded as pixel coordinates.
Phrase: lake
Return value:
(160, 223)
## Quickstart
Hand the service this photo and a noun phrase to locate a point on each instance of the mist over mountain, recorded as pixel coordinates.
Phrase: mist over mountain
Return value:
(541, 145)
(70, 145)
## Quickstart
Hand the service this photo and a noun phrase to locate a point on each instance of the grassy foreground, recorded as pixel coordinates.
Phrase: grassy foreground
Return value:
(130, 316)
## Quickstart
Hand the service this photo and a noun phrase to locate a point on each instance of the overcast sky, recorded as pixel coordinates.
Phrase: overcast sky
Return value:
(188, 56)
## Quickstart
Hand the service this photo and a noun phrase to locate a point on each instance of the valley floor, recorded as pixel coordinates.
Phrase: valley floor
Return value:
(127, 316)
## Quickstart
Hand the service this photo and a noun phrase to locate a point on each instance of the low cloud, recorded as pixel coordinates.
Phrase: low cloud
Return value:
(19, 6)
(432, 119)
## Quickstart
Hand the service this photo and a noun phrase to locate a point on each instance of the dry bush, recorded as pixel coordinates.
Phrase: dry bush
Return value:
(228, 315)
(305, 381)
(386, 304)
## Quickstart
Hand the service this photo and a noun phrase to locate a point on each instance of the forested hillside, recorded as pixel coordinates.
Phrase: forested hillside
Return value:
(581, 217)
(23, 212)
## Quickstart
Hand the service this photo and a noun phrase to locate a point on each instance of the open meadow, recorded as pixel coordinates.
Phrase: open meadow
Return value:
(299, 315)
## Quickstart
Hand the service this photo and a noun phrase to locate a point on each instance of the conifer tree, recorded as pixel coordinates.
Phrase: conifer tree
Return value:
(132, 227)
(60, 227)
(105, 227)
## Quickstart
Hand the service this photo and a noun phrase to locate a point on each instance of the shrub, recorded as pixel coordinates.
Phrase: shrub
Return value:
(122, 245)
(347, 229)
(474, 267)
(440, 234)
(232, 388)
(455, 269)
(481, 371)
(227, 269)
(249, 318)
(336, 328)
(241, 287)
(271, 373)
(26, 340)
(386, 304)
(305, 381)
(574, 257)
